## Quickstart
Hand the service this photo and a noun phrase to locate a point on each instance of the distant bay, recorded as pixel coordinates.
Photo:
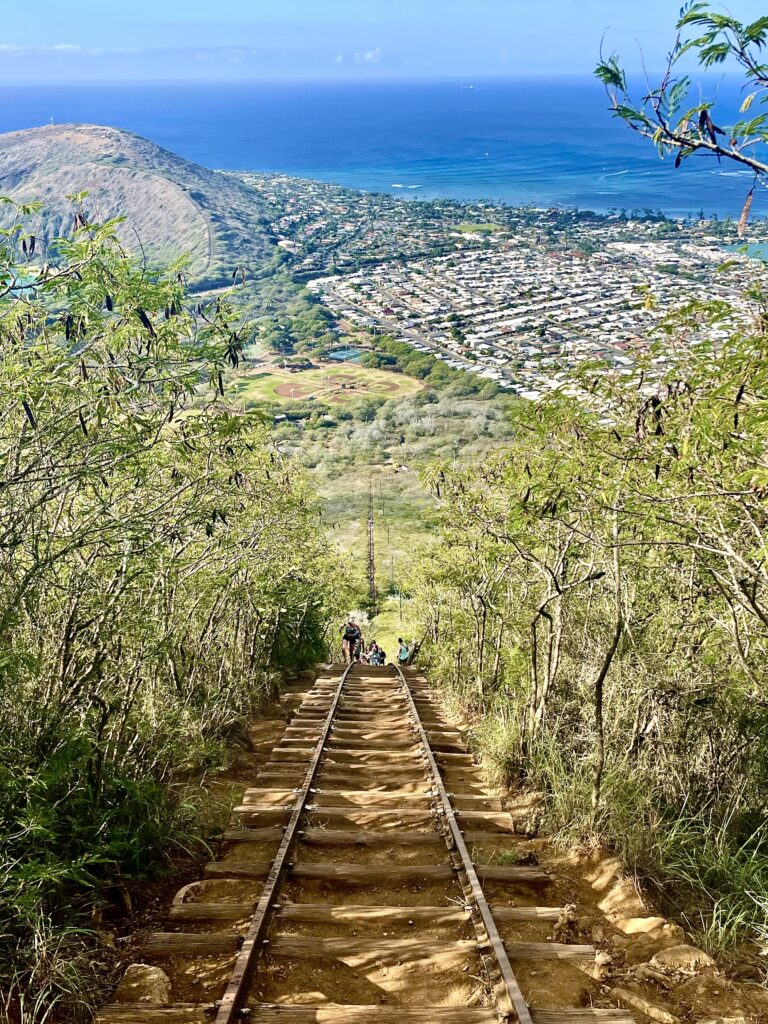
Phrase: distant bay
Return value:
(538, 142)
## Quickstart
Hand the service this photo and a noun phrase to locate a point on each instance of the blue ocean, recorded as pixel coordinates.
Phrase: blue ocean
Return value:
(521, 141)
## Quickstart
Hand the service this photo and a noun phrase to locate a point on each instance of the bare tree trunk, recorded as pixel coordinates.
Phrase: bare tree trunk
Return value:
(599, 769)
(597, 777)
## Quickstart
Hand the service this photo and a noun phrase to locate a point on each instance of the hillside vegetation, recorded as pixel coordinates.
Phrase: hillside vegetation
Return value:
(161, 563)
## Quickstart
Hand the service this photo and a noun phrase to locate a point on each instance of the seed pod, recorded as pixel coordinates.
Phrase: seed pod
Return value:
(108, 302)
(83, 427)
(29, 414)
(146, 322)
(745, 213)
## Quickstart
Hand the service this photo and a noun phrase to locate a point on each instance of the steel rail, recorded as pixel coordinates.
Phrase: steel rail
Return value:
(231, 1004)
(511, 1004)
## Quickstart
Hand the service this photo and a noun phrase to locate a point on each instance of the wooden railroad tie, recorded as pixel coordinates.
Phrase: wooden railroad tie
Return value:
(270, 1013)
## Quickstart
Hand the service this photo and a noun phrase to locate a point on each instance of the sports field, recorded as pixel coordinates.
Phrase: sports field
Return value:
(336, 385)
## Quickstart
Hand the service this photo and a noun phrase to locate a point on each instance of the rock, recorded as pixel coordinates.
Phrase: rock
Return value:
(621, 899)
(683, 958)
(600, 969)
(565, 929)
(142, 983)
(603, 963)
(652, 927)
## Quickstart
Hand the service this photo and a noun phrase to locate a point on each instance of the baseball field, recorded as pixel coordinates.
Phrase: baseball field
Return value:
(336, 385)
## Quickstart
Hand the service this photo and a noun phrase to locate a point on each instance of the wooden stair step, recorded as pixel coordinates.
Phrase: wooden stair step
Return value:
(581, 1015)
(362, 874)
(238, 869)
(210, 911)
(338, 837)
(355, 795)
(265, 1013)
(190, 944)
(385, 951)
(153, 1013)
(364, 837)
(253, 835)
(548, 951)
(363, 912)
(393, 950)
(340, 815)
(340, 755)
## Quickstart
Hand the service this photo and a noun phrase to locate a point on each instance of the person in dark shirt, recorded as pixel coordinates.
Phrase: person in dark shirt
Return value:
(351, 640)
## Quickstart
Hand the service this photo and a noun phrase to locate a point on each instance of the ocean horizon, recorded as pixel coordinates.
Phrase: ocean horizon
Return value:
(521, 141)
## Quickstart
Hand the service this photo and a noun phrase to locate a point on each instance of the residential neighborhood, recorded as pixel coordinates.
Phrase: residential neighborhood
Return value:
(520, 296)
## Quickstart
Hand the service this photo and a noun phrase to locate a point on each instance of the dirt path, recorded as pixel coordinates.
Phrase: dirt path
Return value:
(373, 923)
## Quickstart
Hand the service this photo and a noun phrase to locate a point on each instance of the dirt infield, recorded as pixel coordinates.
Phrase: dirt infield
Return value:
(337, 386)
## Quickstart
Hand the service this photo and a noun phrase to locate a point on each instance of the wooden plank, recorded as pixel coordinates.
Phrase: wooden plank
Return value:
(340, 815)
(394, 950)
(582, 1015)
(210, 911)
(385, 744)
(385, 951)
(252, 835)
(370, 914)
(361, 797)
(512, 873)
(382, 758)
(487, 838)
(548, 951)
(153, 1013)
(238, 869)
(190, 944)
(262, 815)
(364, 837)
(263, 1013)
(366, 874)
(501, 820)
(525, 913)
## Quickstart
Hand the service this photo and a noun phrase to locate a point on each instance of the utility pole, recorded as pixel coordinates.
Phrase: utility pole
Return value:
(371, 554)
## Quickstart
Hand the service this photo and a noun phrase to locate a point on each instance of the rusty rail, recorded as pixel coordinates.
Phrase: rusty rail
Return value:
(230, 1007)
(511, 1004)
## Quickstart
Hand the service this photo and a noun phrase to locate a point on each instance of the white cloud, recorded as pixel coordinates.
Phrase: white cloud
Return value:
(66, 47)
(339, 58)
(10, 48)
(369, 57)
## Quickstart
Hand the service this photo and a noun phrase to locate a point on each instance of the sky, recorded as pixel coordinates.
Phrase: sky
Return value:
(242, 40)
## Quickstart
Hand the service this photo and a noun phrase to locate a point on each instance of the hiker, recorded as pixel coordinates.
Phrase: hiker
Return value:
(351, 637)
(403, 653)
(359, 646)
(375, 654)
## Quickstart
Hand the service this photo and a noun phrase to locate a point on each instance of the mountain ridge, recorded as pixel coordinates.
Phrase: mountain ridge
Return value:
(172, 206)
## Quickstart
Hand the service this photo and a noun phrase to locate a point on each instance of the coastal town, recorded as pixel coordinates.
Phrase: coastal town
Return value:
(520, 296)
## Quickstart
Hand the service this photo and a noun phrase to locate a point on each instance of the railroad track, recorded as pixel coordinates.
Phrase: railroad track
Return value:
(356, 869)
